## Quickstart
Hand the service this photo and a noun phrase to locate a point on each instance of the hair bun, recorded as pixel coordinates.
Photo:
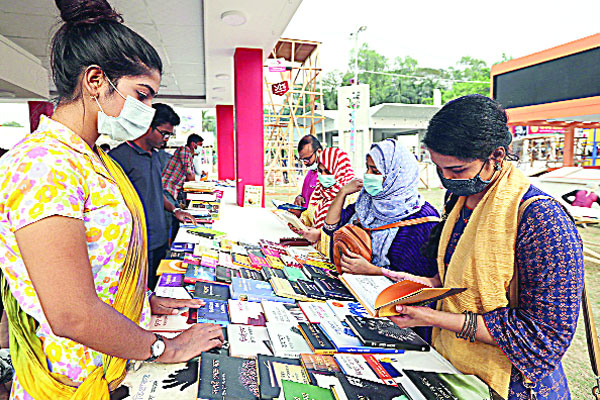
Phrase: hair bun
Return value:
(80, 12)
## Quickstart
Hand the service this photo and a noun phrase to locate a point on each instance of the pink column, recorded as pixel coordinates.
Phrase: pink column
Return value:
(249, 134)
(225, 142)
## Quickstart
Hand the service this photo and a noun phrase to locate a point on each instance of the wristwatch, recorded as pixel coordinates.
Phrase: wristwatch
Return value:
(157, 348)
(176, 209)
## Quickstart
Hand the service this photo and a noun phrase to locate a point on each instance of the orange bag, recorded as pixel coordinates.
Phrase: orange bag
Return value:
(356, 239)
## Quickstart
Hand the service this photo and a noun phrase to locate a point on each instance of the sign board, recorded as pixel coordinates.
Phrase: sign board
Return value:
(353, 123)
(281, 88)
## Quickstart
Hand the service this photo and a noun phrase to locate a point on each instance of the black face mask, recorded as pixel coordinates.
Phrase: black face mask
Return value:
(467, 187)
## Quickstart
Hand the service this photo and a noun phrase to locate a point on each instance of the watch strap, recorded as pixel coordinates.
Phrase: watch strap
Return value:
(153, 357)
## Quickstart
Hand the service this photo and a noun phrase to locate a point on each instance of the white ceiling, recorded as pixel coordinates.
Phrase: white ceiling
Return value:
(192, 40)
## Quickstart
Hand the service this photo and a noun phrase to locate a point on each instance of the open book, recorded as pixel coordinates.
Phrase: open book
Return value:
(380, 295)
(287, 206)
(288, 218)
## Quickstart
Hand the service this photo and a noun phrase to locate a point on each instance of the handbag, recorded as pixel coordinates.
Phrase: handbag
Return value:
(356, 239)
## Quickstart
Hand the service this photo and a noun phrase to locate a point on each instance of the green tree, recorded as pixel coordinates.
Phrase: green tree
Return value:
(209, 123)
(14, 124)
(331, 81)
(474, 77)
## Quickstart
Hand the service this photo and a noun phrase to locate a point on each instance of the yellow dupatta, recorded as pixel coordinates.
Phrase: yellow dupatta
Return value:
(27, 355)
(484, 263)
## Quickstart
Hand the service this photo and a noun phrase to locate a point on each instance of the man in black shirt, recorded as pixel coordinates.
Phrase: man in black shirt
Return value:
(140, 161)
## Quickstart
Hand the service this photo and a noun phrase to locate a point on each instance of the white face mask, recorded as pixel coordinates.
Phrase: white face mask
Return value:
(313, 167)
(133, 121)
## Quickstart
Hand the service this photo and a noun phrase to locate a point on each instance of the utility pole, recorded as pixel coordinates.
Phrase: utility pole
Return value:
(354, 106)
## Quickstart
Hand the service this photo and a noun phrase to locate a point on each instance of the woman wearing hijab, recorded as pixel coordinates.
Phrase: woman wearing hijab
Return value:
(335, 171)
(388, 194)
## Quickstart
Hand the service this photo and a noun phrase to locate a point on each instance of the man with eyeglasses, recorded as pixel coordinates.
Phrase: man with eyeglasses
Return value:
(309, 150)
(141, 162)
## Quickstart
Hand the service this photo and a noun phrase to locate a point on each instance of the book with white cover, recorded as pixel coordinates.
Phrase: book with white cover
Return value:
(202, 196)
(287, 218)
(173, 292)
(369, 287)
(287, 340)
(248, 341)
(342, 309)
(170, 323)
(356, 365)
(316, 312)
(246, 312)
(277, 312)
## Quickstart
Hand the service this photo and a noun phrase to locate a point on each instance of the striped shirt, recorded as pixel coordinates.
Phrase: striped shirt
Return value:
(180, 165)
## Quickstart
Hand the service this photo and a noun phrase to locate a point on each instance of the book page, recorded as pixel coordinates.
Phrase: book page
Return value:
(366, 288)
(288, 218)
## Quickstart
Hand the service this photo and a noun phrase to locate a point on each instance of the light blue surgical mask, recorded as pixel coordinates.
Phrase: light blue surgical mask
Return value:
(133, 121)
(373, 184)
(326, 180)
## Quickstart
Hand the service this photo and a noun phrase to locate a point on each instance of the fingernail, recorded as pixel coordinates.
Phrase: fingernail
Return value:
(175, 312)
(399, 308)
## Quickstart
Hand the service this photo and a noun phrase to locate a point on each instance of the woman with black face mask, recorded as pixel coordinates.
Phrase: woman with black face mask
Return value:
(513, 247)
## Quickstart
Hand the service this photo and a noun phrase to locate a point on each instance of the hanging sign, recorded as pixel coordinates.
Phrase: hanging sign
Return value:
(281, 88)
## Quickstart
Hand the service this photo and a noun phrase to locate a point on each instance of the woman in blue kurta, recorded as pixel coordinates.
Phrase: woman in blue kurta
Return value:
(498, 227)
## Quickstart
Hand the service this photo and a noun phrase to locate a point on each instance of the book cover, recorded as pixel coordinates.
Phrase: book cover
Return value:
(225, 260)
(302, 391)
(362, 389)
(170, 280)
(378, 332)
(342, 309)
(183, 246)
(246, 312)
(367, 366)
(239, 250)
(224, 274)
(317, 260)
(284, 288)
(311, 290)
(293, 273)
(207, 232)
(248, 341)
(253, 196)
(317, 340)
(214, 311)
(252, 290)
(268, 273)
(175, 255)
(314, 272)
(197, 273)
(287, 219)
(171, 323)
(318, 364)
(173, 292)
(287, 206)
(150, 381)
(223, 377)
(345, 341)
(208, 261)
(436, 386)
(380, 295)
(290, 261)
(273, 370)
(287, 340)
(211, 291)
(284, 313)
(171, 267)
(241, 260)
(275, 262)
(334, 289)
(316, 312)
(257, 262)
(250, 274)
(428, 361)
(191, 259)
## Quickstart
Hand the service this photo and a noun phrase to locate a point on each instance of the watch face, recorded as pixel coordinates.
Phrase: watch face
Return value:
(158, 348)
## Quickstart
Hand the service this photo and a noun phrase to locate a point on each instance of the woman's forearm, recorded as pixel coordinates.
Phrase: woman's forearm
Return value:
(334, 213)
(454, 323)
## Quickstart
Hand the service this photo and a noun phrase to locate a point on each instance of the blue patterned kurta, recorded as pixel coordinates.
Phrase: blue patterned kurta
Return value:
(536, 335)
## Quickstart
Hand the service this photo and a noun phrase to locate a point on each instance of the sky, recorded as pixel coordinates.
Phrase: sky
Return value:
(439, 32)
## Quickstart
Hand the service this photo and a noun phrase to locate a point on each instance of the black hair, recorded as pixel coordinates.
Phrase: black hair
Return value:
(105, 147)
(309, 139)
(194, 138)
(93, 34)
(470, 127)
(164, 115)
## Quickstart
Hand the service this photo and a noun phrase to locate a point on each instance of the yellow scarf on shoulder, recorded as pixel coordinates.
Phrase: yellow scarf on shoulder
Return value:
(484, 263)
(26, 351)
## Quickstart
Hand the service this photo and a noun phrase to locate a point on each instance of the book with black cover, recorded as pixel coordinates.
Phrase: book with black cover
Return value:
(272, 370)
(310, 289)
(435, 386)
(378, 332)
(268, 273)
(317, 340)
(334, 289)
(175, 255)
(251, 274)
(224, 274)
(224, 377)
(362, 389)
(314, 272)
(211, 291)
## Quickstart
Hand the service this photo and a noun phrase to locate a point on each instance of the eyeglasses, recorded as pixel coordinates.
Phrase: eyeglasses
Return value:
(164, 133)
(306, 160)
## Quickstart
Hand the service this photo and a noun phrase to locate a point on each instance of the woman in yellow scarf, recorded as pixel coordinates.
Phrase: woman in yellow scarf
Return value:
(513, 247)
(72, 229)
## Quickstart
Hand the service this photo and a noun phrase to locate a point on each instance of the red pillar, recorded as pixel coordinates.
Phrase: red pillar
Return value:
(225, 142)
(569, 147)
(249, 129)
(36, 109)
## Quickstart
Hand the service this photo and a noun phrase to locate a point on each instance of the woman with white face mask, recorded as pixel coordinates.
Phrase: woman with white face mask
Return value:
(73, 249)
